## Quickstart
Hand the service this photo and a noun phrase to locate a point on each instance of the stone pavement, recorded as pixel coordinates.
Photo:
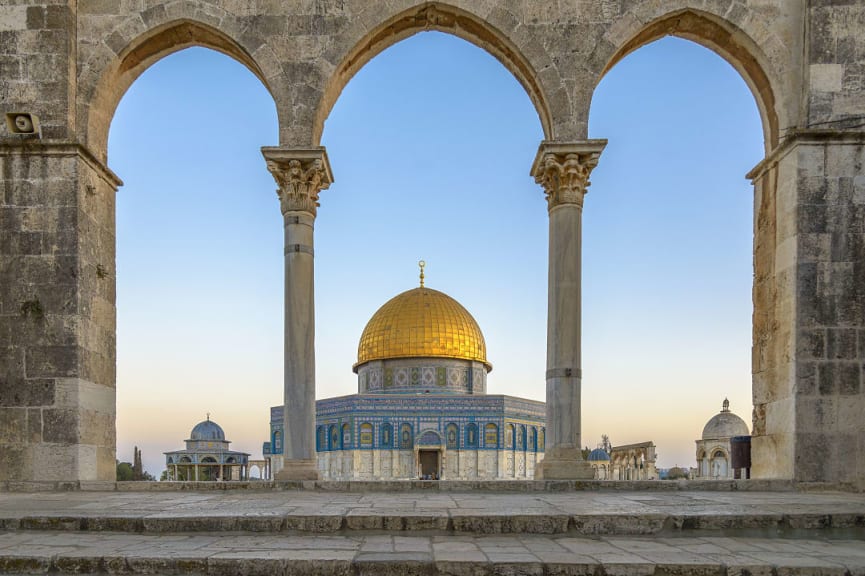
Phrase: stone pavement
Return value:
(320, 531)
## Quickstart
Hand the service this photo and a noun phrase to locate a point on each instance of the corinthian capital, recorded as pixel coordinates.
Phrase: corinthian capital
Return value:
(563, 169)
(300, 175)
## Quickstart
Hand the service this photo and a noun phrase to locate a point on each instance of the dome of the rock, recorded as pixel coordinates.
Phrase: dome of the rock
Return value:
(422, 323)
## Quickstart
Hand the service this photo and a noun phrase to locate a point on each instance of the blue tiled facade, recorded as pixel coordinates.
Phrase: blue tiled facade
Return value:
(371, 422)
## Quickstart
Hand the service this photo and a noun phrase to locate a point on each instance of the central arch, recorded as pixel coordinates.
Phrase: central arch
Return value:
(442, 18)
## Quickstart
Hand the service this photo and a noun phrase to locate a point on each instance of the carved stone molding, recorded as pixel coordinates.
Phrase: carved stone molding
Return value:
(563, 169)
(300, 175)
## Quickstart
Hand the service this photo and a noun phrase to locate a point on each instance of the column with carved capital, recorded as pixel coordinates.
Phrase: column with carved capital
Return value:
(300, 175)
(563, 169)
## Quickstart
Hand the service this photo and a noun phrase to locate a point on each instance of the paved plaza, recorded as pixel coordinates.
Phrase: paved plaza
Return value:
(431, 531)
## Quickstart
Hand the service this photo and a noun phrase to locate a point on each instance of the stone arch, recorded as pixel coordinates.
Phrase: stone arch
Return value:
(429, 438)
(719, 35)
(257, 468)
(142, 52)
(367, 44)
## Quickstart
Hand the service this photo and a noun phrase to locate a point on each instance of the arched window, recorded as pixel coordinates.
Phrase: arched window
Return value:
(320, 439)
(533, 439)
(491, 436)
(386, 435)
(346, 437)
(277, 442)
(542, 439)
(333, 435)
(366, 435)
(406, 438)
(472, 435)
(521, 437)
(452, 436)
(509, 436)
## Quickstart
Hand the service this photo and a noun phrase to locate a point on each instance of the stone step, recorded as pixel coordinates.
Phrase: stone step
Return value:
(29, 552)
(578, 514)
(437, 522)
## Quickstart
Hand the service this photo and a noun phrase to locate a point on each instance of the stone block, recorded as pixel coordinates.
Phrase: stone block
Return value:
(826, 77)
(18, 392)
(806, 378)
(60, 426)
(817, 414)
(34, 425)
(13, 426)
(51, 361)
(811, 343)
(861, 345)
(15, 462)
(851, 413)
(841, 343)
(816, 456)
(838, 378)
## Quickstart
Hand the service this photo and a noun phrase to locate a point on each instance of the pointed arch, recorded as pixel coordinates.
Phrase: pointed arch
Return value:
(141, 53)
(443, 18)
(725, 39)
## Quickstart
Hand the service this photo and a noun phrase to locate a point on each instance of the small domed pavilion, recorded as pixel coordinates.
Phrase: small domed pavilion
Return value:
(600, 462)
(207, 456)
(713, 449)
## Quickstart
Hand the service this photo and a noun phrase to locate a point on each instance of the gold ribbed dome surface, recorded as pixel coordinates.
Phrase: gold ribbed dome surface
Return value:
(422, 323)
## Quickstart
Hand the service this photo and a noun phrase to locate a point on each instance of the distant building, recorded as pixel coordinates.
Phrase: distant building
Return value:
(422, 410)
(207, 457)
(634, 462)
(713, 449)
(600, 463)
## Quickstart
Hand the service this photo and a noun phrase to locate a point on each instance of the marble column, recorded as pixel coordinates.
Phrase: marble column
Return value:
(300, 175)
(562, 169)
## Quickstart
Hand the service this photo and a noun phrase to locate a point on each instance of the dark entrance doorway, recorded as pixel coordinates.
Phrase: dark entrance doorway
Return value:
(429, 464)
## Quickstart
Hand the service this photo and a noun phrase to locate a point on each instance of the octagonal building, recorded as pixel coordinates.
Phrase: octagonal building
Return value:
(422, 410)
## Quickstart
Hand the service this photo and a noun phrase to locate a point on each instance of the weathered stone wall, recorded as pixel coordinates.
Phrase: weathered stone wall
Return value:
(460, 464)
(70, 62)
(57, 364)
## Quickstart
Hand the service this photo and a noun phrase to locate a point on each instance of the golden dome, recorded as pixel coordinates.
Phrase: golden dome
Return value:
(422, 323)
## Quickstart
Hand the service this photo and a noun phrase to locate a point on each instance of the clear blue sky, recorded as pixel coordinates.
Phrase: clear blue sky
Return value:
(431, 145)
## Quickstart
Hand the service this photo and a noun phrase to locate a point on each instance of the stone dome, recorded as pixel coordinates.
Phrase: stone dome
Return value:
(598, 455)
(207, 430)
(422, 323)
(725, 425)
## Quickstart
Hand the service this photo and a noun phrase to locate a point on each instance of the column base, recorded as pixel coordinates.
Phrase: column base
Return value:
(297, 470)
(564, 464)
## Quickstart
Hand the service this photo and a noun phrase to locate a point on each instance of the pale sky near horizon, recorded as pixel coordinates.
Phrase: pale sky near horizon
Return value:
(431, 145)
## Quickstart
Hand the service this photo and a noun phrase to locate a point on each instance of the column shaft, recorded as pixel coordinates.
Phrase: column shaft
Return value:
(301, 175)
(563, 169)
(563, 327)
(298, 442)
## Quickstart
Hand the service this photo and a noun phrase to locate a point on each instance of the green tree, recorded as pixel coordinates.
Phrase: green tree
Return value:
(676, 473)
(124, 471)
